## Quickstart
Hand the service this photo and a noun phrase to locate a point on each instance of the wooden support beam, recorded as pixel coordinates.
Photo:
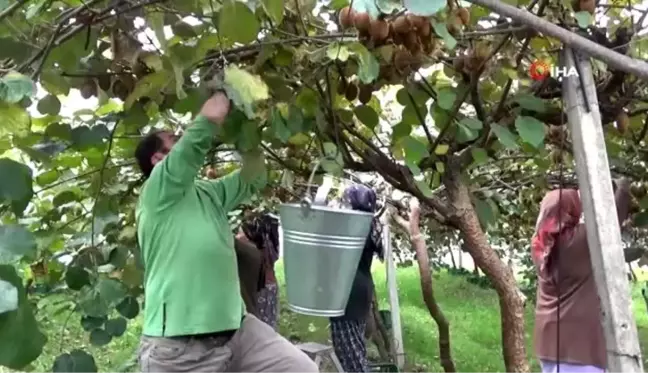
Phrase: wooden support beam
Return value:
(398, 350)
(603, 232)
(614, 59)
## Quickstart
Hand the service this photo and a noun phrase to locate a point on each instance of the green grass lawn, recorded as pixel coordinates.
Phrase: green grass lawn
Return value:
(472, 311)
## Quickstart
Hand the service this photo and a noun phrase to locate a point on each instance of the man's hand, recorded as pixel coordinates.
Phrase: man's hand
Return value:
(216, 108)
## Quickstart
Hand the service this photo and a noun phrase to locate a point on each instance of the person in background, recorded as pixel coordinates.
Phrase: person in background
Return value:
(248, 259)
(195, 319)
(263, 232)
(568, 337)
(348, 331)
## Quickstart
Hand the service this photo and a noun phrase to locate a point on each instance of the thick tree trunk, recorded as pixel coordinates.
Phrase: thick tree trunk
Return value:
(511, 304)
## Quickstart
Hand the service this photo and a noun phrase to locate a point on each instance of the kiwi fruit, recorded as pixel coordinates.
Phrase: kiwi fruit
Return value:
(345, 18)
(414, 21)
(402, 60)
(575, 5)
(464, 16)
(425, 28)
(417, 61)
(401, 25)
(411, 42)
(587, 6)
(351, 92)
(88, 89)
(638, 190)
(458, 63)
(104, 82)
(120, 90)
(397, 38)
(379, 30)
(364, 94)
(622, 122)
(362, 22)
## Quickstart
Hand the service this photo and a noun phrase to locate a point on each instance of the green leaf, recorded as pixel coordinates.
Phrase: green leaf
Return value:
(479, 155)
(15, 120)
(116, 327)
(472, 123)
(178, 72)
(441, 149)
(584, 19)
(111, 290)
(506, 137)
(237, 23)
(531, 130)
(337, 51)
(414, 149)
(8, 297)
(368, 66)
(468, 129)
(530, 102)
(149, 85)
(424, 7)
(641, 219)
(253, 164)
(15, 242)
(19, 326)
(14, 87)
(279, 127)
(129, 307)
(446, 98)
(442, 30)
(54, 83)
(423, 186)
(15, 184)
(77, 361)
(49, 105)
(76, 277)
(99, 337)
(485, 213)
(275, 10)
(244, 89)
(89, 323)
(367, 115)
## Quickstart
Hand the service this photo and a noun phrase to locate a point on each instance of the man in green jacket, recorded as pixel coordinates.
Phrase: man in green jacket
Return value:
(195, 319)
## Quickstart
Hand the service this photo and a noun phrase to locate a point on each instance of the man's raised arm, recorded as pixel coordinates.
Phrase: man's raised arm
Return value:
(178, 170)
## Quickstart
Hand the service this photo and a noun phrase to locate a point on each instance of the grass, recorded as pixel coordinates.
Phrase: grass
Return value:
(473, 313)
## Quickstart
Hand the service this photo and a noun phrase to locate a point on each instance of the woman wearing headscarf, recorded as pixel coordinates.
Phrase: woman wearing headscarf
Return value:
(348, 331)
(568, 334)
(263, 232)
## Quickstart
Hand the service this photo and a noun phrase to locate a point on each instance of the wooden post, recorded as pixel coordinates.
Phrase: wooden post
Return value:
(392, 287)
(603, 232)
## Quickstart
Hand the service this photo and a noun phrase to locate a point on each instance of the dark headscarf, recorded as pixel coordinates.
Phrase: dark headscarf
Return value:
(363, 198)
(263, 231)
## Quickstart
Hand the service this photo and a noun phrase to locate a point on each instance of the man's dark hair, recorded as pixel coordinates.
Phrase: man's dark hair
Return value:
(148, 146)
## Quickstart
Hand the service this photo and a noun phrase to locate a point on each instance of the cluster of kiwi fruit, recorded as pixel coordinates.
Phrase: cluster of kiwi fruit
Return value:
(410, 34)
(121, 85)
(353, 90)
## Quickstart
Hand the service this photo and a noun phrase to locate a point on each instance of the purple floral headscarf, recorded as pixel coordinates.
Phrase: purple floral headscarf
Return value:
(363, 198)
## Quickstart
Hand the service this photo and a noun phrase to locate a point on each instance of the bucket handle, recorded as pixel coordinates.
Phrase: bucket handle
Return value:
(307, 201)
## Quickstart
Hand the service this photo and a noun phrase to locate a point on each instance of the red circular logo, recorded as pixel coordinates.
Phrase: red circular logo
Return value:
(539, 70)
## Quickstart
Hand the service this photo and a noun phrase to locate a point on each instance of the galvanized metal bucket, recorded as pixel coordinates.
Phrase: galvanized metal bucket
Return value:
(322, 247)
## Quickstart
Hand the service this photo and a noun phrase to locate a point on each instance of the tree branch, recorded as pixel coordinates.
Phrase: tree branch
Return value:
(11, 9)
(610, 57)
